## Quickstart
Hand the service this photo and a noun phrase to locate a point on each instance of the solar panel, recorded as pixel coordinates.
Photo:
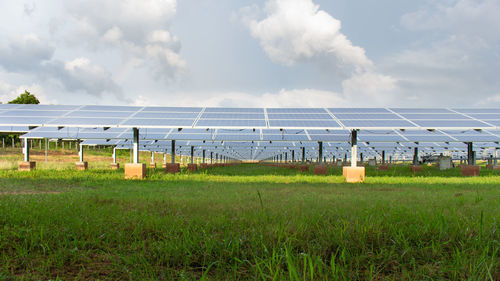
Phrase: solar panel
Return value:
(304, 123)
(451, 123)
(138, 122)
(206, 115)
(230, 123)
(380, 124)
(296, 110)
(435, 116)
(421, 110)
(83, 113)
(111, 108)
(367, 116)
(234, 110)
(29, 113)
(358, 110)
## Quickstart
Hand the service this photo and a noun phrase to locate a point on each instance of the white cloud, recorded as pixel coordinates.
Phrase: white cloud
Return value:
(138, 29)
(25, 53)
(297, 30)
(476, 18)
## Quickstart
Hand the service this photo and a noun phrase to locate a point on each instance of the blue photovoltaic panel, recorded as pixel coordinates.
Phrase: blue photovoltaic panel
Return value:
(232, 116)
(237, 137)
(268, 137)
(167, 115)
(429, 138)
(495, 123)
(157, 122)
(299, 116)
(369, 116)
(10, 129)
(469, 138)
(490, 116)
(304, 123)
(377, 123)
(421, 110)
(172, 109)
(48, 107)
(450, 124)
(358, 110)
(33, 113)
(338, 138)
(86, 121)
(233, 110)
(32, 121)
(478, 110)
(333, 132)
(110, 108)
(81, 113)
(230, 123)
(295, 110)
(435, 116)
(10, 106)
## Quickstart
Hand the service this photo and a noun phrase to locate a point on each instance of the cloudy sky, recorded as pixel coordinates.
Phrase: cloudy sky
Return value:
(252, 53)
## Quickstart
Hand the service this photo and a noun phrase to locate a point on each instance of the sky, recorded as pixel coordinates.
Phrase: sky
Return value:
(264, 53)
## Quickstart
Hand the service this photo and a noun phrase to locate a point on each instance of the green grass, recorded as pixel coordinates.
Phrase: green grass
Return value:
(249, 222)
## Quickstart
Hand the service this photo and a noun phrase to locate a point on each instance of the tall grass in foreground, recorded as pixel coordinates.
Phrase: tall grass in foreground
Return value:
(248, 223)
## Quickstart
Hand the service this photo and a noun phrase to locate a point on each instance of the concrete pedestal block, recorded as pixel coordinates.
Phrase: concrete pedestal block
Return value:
(152, 165)
(304, 168)
(26, 166)
(372, 162)
(172, 168)
(445, 163)
(320, 169)
(489, 167)
(416, 168)
(135, 171)
(203, 165)
(470, 171)
(192, 167)
(82, 166)
(115, 166)
(383, 167)
(354, 174)
(496, 167)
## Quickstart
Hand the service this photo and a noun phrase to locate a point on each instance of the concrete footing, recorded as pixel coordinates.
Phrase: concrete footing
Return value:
(416, 168)
(304, 168)
(192, 167)
(172, 168)
(383, 167)
(320, 169)
(354, 174)
(470, 171)
(135, 171)
(27, 166)
(152, 165)
(82, 166)
(114, 166)
(203, 165)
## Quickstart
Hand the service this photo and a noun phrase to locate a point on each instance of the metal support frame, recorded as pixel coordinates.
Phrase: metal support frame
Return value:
(383, 157)
(135, 157)
(470, 154)
(172, 153)
(152, 157)
(26, 150)
(80, 153)
(203, 156)
(192, 154)
(320, 152)
(354, 148)
(211, 157)
(114, 154)
(415, 156)
(303, 154)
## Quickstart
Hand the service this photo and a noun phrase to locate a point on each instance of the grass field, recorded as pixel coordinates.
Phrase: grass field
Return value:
(249, 222)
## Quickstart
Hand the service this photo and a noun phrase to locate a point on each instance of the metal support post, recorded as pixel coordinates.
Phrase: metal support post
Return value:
(192, 154)
(135, 157)
(354, 148)
(470, 154)
(172, 153)
(26, 150)
(320, 152)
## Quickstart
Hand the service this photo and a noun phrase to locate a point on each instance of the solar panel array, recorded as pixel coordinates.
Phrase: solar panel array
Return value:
(248, 118)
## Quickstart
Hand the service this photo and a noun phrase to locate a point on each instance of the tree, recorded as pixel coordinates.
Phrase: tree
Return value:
(25, 98)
